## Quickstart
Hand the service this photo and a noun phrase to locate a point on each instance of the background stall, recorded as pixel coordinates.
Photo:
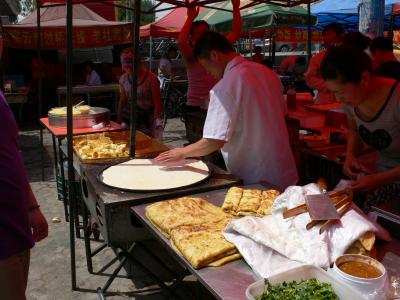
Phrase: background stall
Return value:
(90, 31)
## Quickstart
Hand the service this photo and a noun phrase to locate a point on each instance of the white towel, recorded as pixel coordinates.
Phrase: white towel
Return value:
(286, 240)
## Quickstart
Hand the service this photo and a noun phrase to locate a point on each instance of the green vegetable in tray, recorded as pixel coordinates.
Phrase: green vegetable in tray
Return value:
(310, 289)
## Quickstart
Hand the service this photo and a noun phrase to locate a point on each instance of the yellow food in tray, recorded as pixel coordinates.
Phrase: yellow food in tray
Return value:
(76, 110)
(100, 148)
(92, 149)
(107, 145)
(245, 202)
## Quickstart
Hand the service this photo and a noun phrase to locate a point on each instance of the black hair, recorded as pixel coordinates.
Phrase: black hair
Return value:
(172, 49)
(301, 60)
(197, 24)
(356, 39)
(335, 27)
(88, 63)
(345, 63)
(209, 41)
(381, 43)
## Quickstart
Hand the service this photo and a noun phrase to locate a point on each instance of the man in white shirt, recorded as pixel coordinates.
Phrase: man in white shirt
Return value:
(332, 34)
(245, 118)
(92, 77)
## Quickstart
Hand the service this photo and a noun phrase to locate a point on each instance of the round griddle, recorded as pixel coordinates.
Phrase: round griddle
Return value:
(145, 175)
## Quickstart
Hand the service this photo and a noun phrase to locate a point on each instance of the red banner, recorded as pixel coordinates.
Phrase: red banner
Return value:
(297, 35)
(55, 38)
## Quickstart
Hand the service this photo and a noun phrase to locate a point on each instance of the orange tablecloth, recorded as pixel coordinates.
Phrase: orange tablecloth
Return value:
(62, 132)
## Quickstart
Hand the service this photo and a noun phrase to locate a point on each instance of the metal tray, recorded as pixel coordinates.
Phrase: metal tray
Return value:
(95, 116)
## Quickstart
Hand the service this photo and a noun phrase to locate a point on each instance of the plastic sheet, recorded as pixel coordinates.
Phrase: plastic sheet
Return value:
(392, 265)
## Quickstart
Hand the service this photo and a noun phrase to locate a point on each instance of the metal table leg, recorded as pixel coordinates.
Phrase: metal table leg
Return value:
(169, 289)
(101, 291)
(42, 150)
(126, 255)
(62, 174)
(86, 235)
(55, 153)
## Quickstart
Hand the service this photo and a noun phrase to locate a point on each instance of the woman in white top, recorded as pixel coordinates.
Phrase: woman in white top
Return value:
(372, 105)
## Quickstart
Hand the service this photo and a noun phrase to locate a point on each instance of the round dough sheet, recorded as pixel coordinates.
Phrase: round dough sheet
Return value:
(148, 175)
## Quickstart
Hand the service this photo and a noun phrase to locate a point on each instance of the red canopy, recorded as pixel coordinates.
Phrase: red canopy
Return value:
(168, 26)
(185, 3)
(396, 8)
(89, 30)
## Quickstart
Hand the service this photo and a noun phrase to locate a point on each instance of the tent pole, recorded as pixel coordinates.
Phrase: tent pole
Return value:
(151, 53)
(71, 175)
(135, 69)
(273, 45)
(391, 23)
(39, 82)
(309, 50)
(371, 17)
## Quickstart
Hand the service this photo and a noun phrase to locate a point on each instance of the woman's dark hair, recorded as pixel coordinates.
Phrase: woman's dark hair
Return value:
(209, 41)
(197, 24)
(356, 39)
(345, 63)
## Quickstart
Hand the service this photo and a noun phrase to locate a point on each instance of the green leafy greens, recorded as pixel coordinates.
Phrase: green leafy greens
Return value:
(310, 289)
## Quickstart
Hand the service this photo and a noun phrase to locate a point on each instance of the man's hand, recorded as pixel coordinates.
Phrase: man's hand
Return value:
(170, 156)
(192, 12)
(367, 183)
(40, 228)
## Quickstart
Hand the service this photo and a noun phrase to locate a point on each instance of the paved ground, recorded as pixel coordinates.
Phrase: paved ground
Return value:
(49, 277)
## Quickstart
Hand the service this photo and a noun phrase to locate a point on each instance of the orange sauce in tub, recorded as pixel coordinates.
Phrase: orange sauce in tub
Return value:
(360, 269)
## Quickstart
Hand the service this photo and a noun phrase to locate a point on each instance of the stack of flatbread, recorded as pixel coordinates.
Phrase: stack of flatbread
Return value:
(194, 227)
(364, 245)
(249, 202)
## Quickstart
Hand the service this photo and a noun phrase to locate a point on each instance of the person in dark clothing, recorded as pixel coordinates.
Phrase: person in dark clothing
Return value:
(21, 221)
(386, 64)
(1, 63)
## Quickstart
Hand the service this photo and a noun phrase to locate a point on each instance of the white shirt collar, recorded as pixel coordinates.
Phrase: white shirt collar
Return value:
(233, 63)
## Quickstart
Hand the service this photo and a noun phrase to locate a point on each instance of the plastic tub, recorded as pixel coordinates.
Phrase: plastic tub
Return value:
(343, 291)
(369, 286)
